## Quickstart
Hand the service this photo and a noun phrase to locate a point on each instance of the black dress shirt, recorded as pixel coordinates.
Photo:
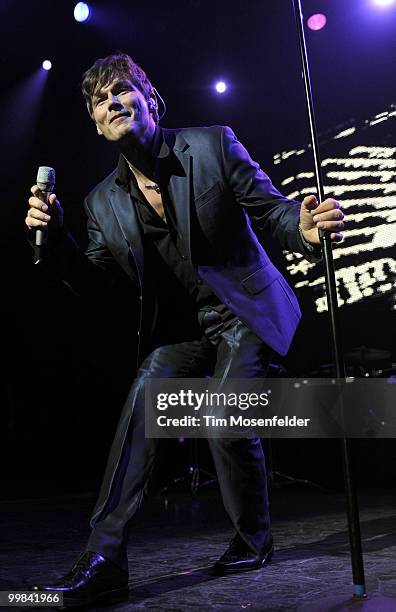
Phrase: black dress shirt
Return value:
(176, 299)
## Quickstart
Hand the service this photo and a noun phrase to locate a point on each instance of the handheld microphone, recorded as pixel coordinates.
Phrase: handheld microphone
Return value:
(46, 183)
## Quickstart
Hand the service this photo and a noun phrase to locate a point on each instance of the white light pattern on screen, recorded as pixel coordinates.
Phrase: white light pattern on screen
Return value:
(363, 178)
(344, 133)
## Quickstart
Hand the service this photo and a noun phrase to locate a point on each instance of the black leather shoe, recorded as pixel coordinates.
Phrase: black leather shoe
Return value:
(239, 557)
(93, 579)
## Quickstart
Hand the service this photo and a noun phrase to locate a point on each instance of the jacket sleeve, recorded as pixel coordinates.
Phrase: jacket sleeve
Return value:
(267, 208)
(84, 272)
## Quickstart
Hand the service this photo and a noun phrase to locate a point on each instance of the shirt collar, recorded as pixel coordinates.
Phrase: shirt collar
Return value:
(159, 150)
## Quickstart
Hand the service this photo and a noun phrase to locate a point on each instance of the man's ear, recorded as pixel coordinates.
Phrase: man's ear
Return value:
(98, 130)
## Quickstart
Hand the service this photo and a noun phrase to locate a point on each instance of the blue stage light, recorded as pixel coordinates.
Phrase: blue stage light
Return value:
(82, 12)
(220, 87)
(384, 3)
(47, 65)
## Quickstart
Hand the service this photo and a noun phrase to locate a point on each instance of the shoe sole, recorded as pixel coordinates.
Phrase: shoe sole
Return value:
(108, 597)
(223, 571)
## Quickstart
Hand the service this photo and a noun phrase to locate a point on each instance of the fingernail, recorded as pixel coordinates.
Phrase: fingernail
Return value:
(47, 217)
(316, 218)
(44, 207)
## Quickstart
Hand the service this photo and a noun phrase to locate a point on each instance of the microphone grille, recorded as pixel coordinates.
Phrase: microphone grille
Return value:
(45, 178)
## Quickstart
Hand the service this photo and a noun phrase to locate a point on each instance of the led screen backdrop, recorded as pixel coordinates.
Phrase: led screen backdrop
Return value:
(359, 170)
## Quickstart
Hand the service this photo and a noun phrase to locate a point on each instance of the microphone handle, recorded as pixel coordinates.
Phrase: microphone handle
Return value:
(41, 234)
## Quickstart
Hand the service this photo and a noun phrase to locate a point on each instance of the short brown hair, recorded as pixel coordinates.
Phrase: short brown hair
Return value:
(117, 65)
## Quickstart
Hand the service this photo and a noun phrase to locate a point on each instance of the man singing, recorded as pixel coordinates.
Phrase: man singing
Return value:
(184, 214)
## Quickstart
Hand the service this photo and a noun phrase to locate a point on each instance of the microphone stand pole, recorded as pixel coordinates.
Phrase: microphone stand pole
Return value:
(355, 542)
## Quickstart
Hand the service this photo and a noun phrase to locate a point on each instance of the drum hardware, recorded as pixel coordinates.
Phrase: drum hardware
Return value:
(195, 477)
(366, 361)
(363, 354)
(388, 373)
(279, 479)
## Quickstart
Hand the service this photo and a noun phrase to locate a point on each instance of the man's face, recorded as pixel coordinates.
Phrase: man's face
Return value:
(120, 111)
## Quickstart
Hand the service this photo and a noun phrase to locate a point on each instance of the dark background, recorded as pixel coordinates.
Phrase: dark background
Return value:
(67, 363)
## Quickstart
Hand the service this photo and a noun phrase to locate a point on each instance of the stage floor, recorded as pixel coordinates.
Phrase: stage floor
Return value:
(176, 538)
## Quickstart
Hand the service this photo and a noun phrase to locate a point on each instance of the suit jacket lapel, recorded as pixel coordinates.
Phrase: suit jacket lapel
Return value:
(180, 191)
(180, 182)
(125, 213)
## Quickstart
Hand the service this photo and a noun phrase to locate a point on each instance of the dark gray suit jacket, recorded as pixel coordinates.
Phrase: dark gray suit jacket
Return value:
(235, 204)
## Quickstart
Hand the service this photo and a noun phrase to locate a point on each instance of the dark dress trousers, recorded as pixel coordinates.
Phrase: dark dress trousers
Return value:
(219, 204)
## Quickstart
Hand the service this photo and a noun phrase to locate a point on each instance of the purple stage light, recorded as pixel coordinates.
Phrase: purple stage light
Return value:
(82, 12)
(47, 65)
(317, 21)
(384, 3)
(19, 123)
(220, 87)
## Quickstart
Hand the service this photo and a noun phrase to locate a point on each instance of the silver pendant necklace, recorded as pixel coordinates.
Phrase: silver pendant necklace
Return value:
(155, 187)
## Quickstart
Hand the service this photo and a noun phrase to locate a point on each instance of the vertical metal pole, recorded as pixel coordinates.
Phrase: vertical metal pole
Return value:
(355, 541)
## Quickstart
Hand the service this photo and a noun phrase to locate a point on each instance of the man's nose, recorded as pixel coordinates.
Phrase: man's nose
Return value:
(113, 101)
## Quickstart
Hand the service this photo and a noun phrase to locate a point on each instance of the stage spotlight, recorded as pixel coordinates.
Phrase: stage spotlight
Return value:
(19, 120)
(384, 3)
(220, 87)
(317, 21)
(82, 12)
(47, 65)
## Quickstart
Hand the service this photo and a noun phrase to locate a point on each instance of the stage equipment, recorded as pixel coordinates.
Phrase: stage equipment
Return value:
(280, 479)
(367, 361)
(359, 589)
(388, 373)
(46, 65)
(195, 477)
(46, 183)
(274, 477)
(363, 354)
